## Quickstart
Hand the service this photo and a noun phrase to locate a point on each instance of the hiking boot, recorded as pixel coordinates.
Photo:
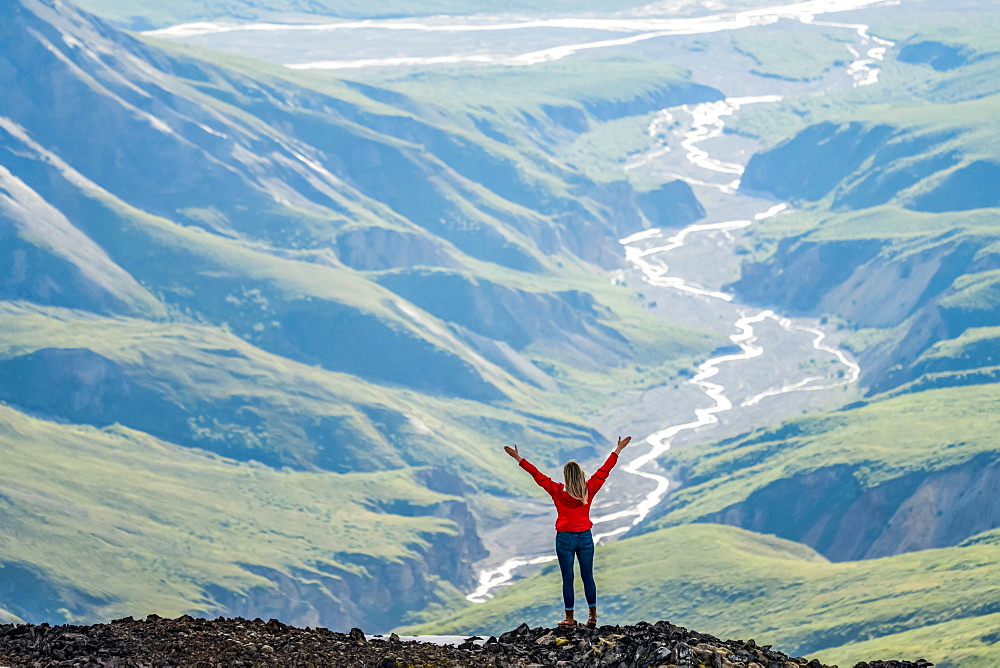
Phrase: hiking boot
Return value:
(592, 620)
(569, 621)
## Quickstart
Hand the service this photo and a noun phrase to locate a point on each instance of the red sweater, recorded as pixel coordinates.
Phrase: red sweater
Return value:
(574, 515)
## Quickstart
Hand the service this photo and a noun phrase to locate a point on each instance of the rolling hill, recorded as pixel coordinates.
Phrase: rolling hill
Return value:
(733, 583)
(144, 14)
(254, 272)
(868, 531)
(263, 333)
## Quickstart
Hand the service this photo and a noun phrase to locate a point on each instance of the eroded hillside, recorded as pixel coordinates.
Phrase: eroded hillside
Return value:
(860, 529)
(272, 276)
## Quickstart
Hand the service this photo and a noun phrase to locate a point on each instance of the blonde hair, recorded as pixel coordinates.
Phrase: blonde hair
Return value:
(576, 481)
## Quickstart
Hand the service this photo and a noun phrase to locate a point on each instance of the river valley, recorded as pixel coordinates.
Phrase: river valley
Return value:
(773, 367)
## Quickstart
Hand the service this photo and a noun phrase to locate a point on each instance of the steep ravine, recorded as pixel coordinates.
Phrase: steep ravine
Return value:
(377, 596)
(919, 289)
(830, 511)
(731, 387)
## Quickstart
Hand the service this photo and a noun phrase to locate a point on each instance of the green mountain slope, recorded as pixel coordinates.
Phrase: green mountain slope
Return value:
(897, 234)
(895, 240)
(902, 474)
(970, 641)
(204, 388)
(130, 523)
(205, 257)
(144, 14)
(580, 112)
(78, 271)
(737, 584)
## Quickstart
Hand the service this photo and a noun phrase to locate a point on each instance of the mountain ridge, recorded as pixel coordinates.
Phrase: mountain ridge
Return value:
(209, 315)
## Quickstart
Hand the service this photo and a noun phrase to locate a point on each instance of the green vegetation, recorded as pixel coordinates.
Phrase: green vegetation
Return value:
(142, 14)
(973, 347)
(236, 488)
(900, 232)
(130, 524)
(737, 584)
(602, 151)
(969, 642)
(586, 113)
(931, 431)
(885, 249)
(276, 394)
(976, 293)
(908, 95)
(574, 81)
(223, 394)
(815, 54)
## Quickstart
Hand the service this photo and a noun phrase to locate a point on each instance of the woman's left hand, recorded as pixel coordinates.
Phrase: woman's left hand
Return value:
(622, 442)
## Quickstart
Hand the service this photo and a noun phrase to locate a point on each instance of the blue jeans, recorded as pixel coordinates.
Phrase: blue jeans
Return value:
(581, 545)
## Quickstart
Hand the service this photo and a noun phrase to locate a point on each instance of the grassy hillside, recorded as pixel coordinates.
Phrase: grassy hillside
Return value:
(943, 55)
(913, 474)
(816, 54)
(897, 233)
(878, 442)
(963, 642)
(587, 81)
(143, 14)
(736, 584)
(266, 273)
(586, 113)
(201, 387)
(900, 474)
(130, 523)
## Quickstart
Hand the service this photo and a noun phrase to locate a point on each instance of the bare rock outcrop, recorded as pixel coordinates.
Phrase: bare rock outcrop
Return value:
(240, 642)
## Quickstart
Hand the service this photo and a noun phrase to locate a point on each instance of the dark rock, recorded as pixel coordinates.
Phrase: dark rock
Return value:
(510, 636)
(274, 626)
(238, 642)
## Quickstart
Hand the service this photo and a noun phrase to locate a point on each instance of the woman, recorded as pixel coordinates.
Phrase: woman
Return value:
(573, 524)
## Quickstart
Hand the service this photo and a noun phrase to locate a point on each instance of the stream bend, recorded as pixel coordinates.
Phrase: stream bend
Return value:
(707, 123)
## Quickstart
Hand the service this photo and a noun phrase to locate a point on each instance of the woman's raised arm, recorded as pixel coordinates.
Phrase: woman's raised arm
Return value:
(543, 480)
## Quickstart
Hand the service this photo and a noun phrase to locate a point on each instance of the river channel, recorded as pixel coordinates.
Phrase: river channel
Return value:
(774, 367)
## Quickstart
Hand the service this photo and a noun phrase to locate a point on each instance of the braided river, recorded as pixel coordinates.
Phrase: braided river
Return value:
(775, 367)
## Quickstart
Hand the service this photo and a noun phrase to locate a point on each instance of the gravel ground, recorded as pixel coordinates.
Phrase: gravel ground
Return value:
(187, 641)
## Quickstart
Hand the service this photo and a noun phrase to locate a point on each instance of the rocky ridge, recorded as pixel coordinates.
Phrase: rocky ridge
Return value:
(240, 642)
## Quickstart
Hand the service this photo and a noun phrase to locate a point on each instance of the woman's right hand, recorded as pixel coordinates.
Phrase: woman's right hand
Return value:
(513, 452)
(622, 442)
